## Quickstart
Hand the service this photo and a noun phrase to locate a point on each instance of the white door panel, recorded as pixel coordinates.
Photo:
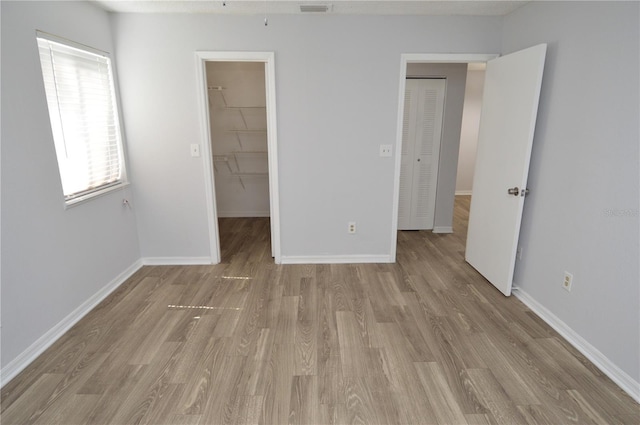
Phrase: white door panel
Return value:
(406, 165)
(421, 137)
(507, 123)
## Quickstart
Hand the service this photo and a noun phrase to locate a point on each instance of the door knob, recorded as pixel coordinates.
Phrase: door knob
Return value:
(513, 191)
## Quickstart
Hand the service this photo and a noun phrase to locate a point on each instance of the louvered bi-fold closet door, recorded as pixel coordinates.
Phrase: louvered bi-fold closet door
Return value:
(421, 137)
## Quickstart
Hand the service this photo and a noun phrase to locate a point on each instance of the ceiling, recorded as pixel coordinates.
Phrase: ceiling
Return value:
(335, 7)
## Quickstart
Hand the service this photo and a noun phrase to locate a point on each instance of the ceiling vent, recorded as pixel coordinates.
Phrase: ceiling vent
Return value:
(315, 8)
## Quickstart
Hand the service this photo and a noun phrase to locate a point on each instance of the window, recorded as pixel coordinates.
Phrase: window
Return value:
(84, 118)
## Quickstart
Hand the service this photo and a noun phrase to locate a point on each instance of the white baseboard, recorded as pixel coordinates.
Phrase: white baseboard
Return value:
(602, 362)
(463, 192)
(176, 261)
(225, 214)
(16, 365)
(335, 259)
(442, 229)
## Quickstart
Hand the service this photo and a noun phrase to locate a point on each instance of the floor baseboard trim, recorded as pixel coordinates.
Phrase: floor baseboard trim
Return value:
(176, 261)
(243, 214)
(463, 193)
(443, 229)
(335, 259)
(17, 365)
(602, 362)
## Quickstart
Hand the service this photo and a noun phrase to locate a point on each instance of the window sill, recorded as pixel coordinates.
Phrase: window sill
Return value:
(98, 193)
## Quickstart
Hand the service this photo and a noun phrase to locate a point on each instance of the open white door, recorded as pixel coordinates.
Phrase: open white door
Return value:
(507, 123)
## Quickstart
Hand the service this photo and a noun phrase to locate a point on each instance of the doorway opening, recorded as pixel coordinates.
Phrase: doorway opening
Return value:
(509, 108)
(239, 148)
(443, 65)
(472, 106)
(238, 120)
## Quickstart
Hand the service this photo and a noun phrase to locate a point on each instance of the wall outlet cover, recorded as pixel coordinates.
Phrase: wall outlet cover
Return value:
(385, 150)
(567, 282)
(351, 227)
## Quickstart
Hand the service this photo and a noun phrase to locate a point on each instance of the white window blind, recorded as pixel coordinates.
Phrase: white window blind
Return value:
(84, 118)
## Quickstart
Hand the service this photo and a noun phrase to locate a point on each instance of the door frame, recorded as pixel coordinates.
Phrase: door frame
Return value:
(268, 58)
(406, 58)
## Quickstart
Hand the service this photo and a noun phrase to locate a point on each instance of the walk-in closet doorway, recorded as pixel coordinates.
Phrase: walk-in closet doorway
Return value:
(239, 148)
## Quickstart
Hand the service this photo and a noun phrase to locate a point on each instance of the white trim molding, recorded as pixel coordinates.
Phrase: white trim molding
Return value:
(602, 362)
(463, 193)
(15, 366)
(442, 229)
(225, 214)
(268, 58)
(177, 261)
(335, 259)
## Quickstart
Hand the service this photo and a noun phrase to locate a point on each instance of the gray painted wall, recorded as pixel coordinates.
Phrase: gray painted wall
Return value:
(582, 212)
(456, 75)
(337, 100)
(52, 259)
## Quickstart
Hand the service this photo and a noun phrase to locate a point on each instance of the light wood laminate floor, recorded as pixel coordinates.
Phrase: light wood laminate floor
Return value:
(423, 341)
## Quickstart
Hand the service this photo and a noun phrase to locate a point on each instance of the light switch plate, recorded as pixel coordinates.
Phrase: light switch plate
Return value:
(195, 150)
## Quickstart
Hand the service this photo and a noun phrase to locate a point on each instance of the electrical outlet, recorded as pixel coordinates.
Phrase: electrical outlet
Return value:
(567, 282)
(385, 150)
(352, 227)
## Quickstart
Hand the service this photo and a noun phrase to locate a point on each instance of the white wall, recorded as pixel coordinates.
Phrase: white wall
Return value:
(53, 259)
(337, 83)
(582, 213)
(456, 74)
(469, 131)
